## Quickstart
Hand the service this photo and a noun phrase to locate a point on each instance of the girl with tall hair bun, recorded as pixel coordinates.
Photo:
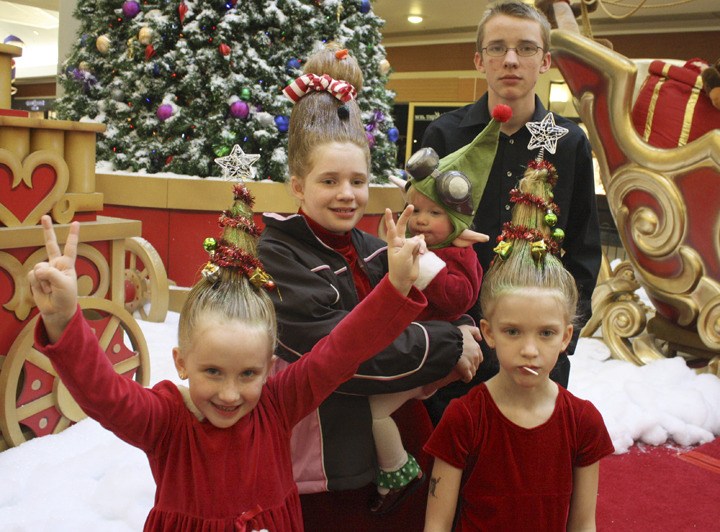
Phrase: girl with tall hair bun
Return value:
(325, 267)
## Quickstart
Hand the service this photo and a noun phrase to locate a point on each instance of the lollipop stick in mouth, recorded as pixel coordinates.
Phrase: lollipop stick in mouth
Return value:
(530, 370)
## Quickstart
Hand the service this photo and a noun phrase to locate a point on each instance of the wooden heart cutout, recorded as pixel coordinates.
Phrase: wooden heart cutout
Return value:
(30, 188)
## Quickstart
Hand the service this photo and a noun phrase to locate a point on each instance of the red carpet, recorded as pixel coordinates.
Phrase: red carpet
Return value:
(650, 490)
(707, 456)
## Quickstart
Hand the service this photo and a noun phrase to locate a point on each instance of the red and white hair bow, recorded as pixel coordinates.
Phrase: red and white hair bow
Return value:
(342, 90)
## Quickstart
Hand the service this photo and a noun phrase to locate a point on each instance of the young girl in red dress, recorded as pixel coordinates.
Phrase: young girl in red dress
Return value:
(519, 452)
(219, 450)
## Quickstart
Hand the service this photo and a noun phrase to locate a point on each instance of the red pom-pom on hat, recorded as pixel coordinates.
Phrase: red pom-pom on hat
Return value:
(502, 112)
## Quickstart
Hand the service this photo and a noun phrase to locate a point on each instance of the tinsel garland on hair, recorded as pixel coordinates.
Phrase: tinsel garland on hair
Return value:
(229, 252)
(239, 222)
(539, 244)
(546, 166)
(240, 192)
(516, 196)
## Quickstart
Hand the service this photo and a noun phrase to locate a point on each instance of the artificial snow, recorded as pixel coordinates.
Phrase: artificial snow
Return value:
(86, 479)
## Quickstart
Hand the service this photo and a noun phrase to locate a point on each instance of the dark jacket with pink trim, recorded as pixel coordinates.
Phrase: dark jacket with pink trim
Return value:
(333, 448)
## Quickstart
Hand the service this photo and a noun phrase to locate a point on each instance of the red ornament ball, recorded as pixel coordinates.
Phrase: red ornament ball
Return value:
(224, 49)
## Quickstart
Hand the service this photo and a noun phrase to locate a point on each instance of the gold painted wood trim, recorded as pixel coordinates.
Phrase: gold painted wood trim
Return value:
(41, 123)
(104, 228)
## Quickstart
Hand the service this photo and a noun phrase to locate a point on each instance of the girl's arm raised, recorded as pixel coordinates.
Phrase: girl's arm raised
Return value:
(54, 283)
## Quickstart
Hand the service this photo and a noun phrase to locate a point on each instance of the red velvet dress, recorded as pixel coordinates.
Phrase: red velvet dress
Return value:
(239, 478)
(517, 478)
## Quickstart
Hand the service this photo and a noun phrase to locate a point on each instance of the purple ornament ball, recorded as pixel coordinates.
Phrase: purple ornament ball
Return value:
(239, 109)
(164, 112)
(130, 8)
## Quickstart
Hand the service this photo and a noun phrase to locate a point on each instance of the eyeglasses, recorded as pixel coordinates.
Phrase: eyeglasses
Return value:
(523, 50)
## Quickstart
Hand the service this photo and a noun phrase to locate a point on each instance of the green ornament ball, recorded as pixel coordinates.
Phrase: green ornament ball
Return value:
(550, 219)
(558, 234)
(210, 244)
(245, 93)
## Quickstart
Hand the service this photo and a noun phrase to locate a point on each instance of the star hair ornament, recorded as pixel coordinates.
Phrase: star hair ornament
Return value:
(539, 180)
(237, 247)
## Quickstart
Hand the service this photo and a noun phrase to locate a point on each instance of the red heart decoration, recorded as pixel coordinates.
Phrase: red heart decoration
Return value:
(30, 188)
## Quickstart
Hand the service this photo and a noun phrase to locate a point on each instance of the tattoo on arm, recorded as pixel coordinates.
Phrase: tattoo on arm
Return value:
(433, 484)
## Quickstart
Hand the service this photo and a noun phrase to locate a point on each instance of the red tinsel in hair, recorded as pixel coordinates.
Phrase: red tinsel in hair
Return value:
(241, 192)
(552, 176)
(521, 232)
(247, 225)
(228, 256)
(531, 199)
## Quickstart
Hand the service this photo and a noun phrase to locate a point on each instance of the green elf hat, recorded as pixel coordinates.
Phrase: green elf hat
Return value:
(457, 181)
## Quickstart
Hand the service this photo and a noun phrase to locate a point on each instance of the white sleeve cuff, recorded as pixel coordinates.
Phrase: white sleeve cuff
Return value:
(430, 266)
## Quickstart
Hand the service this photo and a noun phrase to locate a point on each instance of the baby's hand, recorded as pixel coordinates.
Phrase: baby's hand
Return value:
(403, 263)
(54, 283)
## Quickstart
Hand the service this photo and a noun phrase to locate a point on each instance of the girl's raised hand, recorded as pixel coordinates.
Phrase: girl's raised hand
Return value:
(54, 283)
(403, 253)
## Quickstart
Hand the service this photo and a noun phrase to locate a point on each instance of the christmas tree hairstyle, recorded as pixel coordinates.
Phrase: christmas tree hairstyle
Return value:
(325, 109)
(234, 284)
(528, 249)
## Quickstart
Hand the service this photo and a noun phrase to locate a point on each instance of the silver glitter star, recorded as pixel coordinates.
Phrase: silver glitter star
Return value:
(238, 164)
(545, 134)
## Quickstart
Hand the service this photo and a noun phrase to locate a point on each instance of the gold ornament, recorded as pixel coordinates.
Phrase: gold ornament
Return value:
(503, 249)
(131, 50)
(261, 279)
(211, 272)
(145, 35)
(103, 44)
(538, 249)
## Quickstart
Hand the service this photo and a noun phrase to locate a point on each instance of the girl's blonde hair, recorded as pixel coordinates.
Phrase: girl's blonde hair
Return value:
(524, 268)
(234, 285)
(315, 121)
(231, 297)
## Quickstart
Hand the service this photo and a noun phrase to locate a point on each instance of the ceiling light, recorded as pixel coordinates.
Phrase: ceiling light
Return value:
(415, 19)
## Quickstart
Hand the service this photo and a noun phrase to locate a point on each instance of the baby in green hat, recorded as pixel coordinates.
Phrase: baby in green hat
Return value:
(445, 194)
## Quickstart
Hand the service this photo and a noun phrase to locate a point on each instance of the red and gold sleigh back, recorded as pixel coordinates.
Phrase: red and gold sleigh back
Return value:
(666, 206)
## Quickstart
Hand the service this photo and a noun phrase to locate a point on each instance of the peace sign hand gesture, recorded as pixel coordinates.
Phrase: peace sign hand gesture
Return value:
(403, 253)
(54, 283)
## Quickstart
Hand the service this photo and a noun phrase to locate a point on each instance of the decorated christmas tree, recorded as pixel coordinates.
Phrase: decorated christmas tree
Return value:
(179, 83)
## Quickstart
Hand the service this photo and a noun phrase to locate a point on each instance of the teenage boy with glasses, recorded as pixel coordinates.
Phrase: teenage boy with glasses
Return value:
(513, 50)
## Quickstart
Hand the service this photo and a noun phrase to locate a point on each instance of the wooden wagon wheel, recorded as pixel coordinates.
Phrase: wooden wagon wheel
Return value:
(146, 283)
(34, 400)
